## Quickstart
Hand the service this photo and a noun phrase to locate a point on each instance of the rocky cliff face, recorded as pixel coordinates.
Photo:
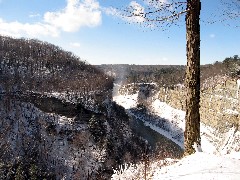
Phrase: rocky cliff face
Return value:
(65, 139)
(219, 106)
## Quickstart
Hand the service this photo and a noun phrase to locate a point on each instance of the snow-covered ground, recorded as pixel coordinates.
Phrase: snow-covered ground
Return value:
(201, 166)
(220, 158)
(198, 166)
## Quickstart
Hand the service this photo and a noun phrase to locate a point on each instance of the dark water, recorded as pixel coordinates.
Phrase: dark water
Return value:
(155, 140)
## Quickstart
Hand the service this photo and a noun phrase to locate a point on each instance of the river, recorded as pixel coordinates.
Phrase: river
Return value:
(155, 140)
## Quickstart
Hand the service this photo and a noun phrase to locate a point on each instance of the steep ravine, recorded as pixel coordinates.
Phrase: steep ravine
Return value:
(170, 121)
(156, 140)
(66, 138)
(54, 105)
(126, 97)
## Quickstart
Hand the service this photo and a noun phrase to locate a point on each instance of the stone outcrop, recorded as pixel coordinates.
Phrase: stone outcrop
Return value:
(219, 106)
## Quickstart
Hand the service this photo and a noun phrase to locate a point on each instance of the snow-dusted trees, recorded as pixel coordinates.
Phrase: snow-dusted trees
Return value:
(39, 66)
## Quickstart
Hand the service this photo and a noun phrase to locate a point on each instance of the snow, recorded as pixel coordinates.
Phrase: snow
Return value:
(197, 147)
(127, 101)
(164, 133)
(201, 166)
(218, 157)
(207, 146)
(198, 166)
(230, 111)
(165, 111)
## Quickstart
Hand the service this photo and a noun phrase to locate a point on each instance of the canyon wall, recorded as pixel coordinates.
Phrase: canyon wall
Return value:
(219, 105)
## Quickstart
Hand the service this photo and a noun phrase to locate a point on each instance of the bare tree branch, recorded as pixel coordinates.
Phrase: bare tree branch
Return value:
(227, 13)
(168, 18)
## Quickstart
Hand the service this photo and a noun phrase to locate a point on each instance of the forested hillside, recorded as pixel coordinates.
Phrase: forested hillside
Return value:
(160, 74)
(169, 75)
(32, 65)
(57, 117)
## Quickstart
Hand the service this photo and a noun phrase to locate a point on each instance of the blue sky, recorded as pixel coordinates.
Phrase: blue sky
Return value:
(93, 31)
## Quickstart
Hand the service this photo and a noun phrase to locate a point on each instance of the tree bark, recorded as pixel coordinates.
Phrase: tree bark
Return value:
(192, 82)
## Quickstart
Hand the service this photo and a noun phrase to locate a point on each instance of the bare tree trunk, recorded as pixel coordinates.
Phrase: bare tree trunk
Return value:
(192, 125)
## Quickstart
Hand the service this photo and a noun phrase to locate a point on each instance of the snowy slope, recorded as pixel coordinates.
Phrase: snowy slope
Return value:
(220, 158)
(201, 166)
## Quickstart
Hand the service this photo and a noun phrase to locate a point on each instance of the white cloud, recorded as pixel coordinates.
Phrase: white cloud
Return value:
(111, 11)
(18, 29)
(156, 4)
(138, 8)
(76, 15)
(75, 44)
(136, 11)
